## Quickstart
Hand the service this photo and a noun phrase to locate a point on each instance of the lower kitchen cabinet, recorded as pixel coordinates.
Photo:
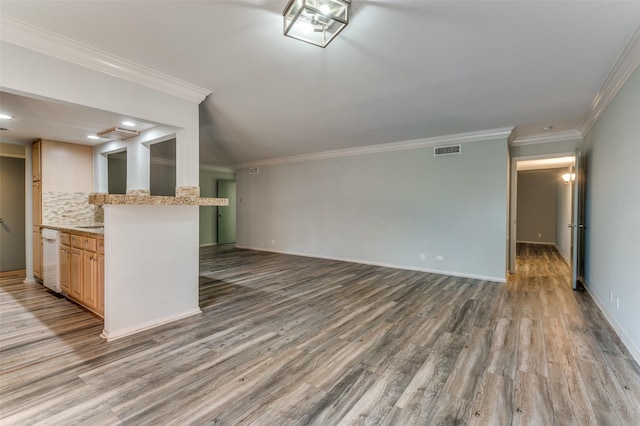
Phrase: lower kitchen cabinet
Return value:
(82, 270)
(90, 280)
(75, 274)
(64, 255)
(37, 253)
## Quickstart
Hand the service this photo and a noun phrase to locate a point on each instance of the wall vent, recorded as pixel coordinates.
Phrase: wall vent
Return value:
(447, 150)
(117, 134)
(254, 170)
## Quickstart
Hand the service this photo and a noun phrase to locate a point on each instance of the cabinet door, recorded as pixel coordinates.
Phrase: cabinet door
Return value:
(75, 274)
(90, 280)
(36, 199)
(37, 253)
(100, 284)
(36, 164)
(64, 255)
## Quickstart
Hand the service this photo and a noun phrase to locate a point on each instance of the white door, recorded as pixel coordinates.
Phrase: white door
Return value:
(578, 223)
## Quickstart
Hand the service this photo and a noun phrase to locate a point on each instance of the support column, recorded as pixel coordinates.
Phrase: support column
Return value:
(188, 160)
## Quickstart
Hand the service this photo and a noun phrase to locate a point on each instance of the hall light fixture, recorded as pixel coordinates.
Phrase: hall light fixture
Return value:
(568, 177)
(316, 21)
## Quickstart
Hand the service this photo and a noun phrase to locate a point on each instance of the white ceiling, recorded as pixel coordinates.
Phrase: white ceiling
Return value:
(401, 70)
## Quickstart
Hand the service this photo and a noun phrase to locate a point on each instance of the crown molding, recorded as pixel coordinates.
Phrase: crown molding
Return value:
(479, 136)
(620, 73)
(565, 135)
(57, 46)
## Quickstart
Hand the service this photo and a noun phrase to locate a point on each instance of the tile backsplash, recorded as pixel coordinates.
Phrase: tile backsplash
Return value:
(70, 207)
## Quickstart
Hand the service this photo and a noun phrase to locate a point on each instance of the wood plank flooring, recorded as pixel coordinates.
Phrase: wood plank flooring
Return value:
(286, 340)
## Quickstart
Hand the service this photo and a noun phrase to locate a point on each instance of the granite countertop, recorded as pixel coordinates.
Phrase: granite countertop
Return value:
(101, 199)
(89, 229)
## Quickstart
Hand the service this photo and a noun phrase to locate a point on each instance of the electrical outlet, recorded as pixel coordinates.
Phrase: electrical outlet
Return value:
(438, 257)
(423, 256)
(539, 234)
(273, 242)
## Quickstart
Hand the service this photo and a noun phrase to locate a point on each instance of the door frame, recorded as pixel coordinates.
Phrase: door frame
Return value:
(513, 202)
(28, 243)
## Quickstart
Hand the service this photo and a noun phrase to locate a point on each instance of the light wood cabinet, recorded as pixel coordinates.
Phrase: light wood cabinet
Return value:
(36, 198)
(90, 279)
(84, 269)
(75, 274)
(36, 202)
(100, 284)
(36, 163)
(65, 255)
(37, 253)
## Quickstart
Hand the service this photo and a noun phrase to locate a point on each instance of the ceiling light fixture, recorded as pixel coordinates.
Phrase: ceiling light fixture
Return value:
(5, 117)
(128, 123)
(93, 137)
(316, 21)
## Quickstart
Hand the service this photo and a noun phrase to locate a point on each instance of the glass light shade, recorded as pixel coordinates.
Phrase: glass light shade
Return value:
(316, 21)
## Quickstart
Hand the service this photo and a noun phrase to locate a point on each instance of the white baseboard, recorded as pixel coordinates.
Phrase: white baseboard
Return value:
(127, 331)
(208, 244)
(384, 265)
(564, 256)
(626, 341)
(30, 281)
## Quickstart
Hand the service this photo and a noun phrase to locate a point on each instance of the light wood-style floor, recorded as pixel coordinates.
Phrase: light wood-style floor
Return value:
(288, 340)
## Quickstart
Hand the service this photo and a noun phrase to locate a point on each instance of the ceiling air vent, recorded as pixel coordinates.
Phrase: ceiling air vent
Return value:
(446, 150)
(118, 134)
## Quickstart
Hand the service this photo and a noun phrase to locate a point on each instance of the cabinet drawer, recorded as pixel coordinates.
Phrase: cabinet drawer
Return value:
(89, 244)
(76, 241)
(65, 240)
(100, 246)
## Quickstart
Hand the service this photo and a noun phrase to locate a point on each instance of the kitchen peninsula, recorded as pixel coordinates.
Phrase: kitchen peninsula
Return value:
(151, 259)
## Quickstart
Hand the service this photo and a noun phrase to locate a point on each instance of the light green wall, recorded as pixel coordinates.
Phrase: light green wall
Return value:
(612, 236)
(384, 208)
(208, 214)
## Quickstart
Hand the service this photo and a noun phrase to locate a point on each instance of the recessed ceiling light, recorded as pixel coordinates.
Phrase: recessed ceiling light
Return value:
(546, 128)
(128, 123)
(93, 137)
(6, 117)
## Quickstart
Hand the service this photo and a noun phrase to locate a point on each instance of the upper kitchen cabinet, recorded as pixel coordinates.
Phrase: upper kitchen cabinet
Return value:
(35, 161)
(65, 167)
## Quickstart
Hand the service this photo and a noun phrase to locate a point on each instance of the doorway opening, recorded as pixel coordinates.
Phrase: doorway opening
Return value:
(542, 204)
(117, 172)
(12, 214)
(226, 217)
